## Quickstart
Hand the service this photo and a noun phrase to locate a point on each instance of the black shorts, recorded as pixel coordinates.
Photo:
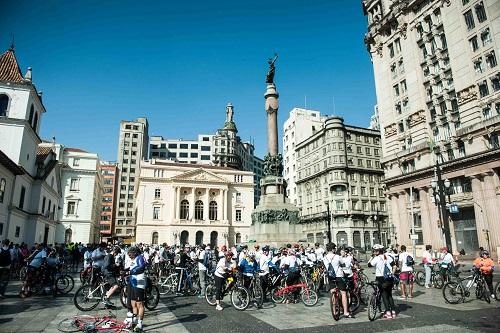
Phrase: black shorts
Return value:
(137, 294)
(339, 283)
(111, 280)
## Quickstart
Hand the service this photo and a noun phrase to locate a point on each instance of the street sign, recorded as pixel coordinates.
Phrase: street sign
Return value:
(414, 237)
(453, 208)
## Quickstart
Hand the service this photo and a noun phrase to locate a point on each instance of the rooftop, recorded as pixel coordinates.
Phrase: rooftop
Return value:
(9, 68)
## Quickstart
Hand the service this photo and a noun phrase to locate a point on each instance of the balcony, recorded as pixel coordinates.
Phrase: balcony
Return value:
(316, 217)
(478, 126)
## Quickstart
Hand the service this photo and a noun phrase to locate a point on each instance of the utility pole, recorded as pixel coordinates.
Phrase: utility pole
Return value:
(413, 240)
(328, 218)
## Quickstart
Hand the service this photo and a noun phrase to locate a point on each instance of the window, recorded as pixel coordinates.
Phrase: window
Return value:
(238, 215)
(71, 209)
(74, 182)
(183, 155)
(372, 191)
(198, 210)
(491, 60)
(21, 197)
(393, 71)
(205, 148)
(395, 89)
(184, 209)
(469, 20)
(480, 12)
(156, 213)
(401, 66)
(4, 104)
(478, 66)
(487, 112)
(76, 161)
(157, 193)
(495, 83)
(474, 45)
(2, 189)
(391, 50)
(172, 146)
(18, 231)
(238, 197)
(212, 211)
(397, 46)
(486, 36)
(205, 157)
(172, 155)
(483, 89)
(43, 205)
(183, 146)
(363, 191)
(359, 150)
(194, 155)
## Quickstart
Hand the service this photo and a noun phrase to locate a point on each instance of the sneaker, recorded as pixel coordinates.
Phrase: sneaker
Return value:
(387, 315)
(393, 314)
(492, 296)
(428, 287)
(107, 302)
(350, 315)
(219, 308)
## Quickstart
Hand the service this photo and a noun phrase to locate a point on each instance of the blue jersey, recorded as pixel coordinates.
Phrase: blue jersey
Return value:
(137, 276)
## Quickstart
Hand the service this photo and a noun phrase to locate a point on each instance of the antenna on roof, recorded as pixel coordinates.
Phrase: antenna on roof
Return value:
(333, 100)
(12, 43)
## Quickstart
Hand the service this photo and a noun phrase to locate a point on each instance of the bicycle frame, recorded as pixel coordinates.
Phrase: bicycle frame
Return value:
(292, 287)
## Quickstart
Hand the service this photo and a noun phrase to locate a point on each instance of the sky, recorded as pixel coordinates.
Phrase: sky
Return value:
(179, 64)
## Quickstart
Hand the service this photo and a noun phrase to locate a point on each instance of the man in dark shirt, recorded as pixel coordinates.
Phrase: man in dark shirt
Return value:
(110, 271)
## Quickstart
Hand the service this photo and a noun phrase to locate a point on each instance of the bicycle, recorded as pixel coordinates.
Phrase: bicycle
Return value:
(437, 278)
(152, 294)
(374, 301)
(455, 292)
(308, 296)
(88, 296)
(92, 324)
(240, 296)
(353, 301)
(255, 289)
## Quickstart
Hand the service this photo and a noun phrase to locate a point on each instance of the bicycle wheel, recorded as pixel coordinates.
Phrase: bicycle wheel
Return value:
(309, 297)
(354, 302)
(420, 278)
(483, 292)
(22, 273)
(123, 296)
(496, 291)
(210, 294)
(171, 284)
(372, 307)
(277, 296)
(335, 306)
(87, 298)
(152, 298)
(438, 281)
(240, 298)
(64, 284)
(258, 295)
(75, 324)
(453, 292)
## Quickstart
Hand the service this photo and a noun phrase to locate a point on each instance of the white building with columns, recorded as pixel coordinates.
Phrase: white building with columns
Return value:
(193, 204)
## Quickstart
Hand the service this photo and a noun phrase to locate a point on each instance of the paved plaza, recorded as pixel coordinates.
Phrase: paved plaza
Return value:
(427, 312)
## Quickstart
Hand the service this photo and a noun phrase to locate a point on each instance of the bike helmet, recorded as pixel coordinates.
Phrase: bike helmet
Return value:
(251, 254)
(484, 253)
(378, 247)
(265, 249)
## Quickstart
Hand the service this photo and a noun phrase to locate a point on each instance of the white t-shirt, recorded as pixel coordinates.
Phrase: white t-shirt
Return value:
(290, 260)
(222, 265)
(448, 258)
(347, 262)
(402, 260)
(334, 259)
(379, 263)
(427, 258)
(201, 256)
(264, 264)
(86, 259)
(320, 252)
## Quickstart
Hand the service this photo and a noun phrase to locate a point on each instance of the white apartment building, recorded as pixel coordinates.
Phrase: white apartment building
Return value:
(193, 204)
(182, 151)
(29, 175)
(438, 93)
(300, 125)
(133, 146)
(82, 189)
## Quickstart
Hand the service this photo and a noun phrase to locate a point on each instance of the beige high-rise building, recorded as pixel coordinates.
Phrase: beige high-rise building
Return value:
(132, 148)
(339, 176)
(438, 87)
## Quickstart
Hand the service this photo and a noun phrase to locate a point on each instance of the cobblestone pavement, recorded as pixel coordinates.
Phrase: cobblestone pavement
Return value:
(426, 312)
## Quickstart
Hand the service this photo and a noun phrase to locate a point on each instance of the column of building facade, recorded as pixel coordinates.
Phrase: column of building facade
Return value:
(429, 227)
(395, 213)
(177, 202)
(224, 204)
(192, 203)
(206, 204)
(480, 194)
(492, 208)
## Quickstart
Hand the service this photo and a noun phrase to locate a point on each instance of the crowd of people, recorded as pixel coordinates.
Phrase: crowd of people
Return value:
(339, 263)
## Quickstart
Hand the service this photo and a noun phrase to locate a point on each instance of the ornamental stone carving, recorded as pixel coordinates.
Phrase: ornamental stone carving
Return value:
(273, 165)
(466, 95)
(417, 118)
(403, 29)
(390, 130)
(379, 49)
(270, 216)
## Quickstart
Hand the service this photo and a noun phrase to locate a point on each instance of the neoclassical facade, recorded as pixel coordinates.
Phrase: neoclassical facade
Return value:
(193, 204)
(438, 95)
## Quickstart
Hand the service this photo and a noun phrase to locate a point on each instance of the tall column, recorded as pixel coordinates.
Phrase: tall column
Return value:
(177, 202)
(224, 204)
(272, 106)
(192, 203)
(206, 204)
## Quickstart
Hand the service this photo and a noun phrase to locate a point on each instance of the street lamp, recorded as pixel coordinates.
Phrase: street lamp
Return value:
(328, 218)
(376, 220)
(440, 189)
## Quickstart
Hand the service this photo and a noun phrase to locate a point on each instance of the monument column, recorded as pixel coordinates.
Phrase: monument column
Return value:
(272, 106)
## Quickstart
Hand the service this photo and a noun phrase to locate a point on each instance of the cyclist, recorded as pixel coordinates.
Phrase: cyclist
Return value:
(486, 267)
(406, 275)
(347, 263)
(427, 261)
(319, 252)
(136, 287)
(247, 267)
(183, 261)
(110, 271)
(224, 266)
(332, 262)
(264, 263)
(203, 262)
(384, 265)
(35, 262)
(5, 262)
(447, 263)
(291, 266)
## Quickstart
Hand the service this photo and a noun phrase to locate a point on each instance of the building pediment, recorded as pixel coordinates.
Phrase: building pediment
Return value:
(200, 175)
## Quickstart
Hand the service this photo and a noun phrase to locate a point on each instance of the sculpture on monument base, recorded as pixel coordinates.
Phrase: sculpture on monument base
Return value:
(270, 216)
(273, 165)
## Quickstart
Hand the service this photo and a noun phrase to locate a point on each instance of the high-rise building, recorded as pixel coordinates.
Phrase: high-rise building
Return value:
(132, 148)
(339, 176)
(300, 125)
(182, 151)
(438, 88)
(30, 191)
(109, 172)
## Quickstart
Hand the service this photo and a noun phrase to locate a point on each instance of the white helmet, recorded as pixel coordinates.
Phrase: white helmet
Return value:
(251, 253)
(378, 247)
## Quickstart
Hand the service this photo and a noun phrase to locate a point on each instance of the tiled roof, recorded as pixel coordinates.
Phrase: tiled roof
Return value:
(9, 69)
(42, 153)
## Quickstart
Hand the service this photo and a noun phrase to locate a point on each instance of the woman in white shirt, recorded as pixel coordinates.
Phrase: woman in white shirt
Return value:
(384, 276)
(427, 261)
(340, 282)
(224, 266)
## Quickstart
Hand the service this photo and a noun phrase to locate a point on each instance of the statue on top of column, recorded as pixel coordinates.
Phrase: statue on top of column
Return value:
(229, 112)
(272, 68)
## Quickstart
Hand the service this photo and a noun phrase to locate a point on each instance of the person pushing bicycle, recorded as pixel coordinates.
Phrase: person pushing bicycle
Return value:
(486, 266)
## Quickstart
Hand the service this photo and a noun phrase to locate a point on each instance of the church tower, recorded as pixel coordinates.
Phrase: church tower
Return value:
(226, 142)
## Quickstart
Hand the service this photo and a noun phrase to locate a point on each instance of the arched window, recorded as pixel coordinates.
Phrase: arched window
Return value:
(154, 238)
(198, 210)
(35, 121)
(214, 239)
(32, 113)
(238, 238)
(184, 237)
(2, 189)
(212, 211)
(4, 104)
(184, 209)
(199, 237)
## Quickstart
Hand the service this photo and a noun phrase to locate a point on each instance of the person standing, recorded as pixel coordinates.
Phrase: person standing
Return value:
(5, 262)
(384, 276)
(137, 286)
(406, 276)
(203, 260)
(428, 262)
(486, 266)
(224, 266)
(332, 262)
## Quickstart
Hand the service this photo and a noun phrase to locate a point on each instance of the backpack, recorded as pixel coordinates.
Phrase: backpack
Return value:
(387, 271)
(206, 260)
(4, 258)
(331, 271)
(409, 261)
